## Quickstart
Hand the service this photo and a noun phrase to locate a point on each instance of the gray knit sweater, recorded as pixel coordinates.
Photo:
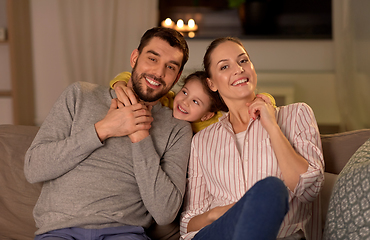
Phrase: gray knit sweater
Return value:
(90, 184)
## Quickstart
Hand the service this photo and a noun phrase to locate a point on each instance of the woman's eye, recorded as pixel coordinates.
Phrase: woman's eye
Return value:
(244, 60)
(224, 67)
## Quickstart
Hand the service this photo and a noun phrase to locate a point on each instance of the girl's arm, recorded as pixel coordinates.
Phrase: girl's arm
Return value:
(121, 78)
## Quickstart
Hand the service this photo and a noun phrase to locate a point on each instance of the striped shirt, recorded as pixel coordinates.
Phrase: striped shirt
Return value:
(218, 174)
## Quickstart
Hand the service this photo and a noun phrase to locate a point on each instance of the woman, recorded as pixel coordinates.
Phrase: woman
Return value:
(238, 165)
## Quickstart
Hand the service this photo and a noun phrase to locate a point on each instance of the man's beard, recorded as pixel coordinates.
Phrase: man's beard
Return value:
(149, 95)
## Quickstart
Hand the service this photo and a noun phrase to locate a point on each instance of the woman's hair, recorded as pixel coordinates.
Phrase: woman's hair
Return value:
(211, 48)
(173, 37)
(216, 102)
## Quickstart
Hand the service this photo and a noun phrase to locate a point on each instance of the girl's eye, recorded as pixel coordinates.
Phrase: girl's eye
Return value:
(196, 102)
(184, 92)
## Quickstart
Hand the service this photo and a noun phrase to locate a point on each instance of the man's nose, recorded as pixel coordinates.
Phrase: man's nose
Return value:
(160, 72)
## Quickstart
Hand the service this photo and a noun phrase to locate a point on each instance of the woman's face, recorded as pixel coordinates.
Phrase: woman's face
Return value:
(232, 73)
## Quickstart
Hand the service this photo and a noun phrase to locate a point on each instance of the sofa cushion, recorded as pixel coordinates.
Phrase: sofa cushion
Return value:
(348, 214)
(17, 196)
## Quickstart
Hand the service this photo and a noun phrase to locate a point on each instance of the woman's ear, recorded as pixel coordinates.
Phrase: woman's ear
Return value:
(134, 57)
(211, 85)
(207, 116)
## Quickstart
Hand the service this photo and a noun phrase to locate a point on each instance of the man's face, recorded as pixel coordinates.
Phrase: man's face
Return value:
(155, 70)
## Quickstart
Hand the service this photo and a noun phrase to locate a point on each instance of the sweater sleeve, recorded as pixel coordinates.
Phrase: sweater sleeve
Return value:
(162, 179)
(54, 151)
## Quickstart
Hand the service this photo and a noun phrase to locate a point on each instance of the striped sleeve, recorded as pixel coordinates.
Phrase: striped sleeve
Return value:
(307, 143)
(197, 198)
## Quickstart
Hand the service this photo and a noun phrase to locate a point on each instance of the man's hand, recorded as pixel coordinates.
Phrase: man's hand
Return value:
(127, 97)
(124, 120)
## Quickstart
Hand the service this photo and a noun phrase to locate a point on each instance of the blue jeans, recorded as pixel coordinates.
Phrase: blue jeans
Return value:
(114, 233)
(257, 215)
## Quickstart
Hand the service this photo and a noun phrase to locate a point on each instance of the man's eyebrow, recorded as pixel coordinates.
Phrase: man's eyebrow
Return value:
(157, 54)
(153, 52)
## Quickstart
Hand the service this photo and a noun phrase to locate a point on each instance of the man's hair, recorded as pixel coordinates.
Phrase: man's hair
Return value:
(173, 37)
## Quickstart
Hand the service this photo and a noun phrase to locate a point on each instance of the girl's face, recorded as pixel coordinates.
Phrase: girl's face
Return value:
(192, 103)
(232, 73)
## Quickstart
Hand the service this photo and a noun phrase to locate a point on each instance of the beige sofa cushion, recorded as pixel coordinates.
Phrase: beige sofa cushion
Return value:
(17, 199)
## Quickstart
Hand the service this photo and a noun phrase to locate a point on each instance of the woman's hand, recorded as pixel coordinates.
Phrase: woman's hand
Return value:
(200, 221)
(217, 212)
(262, 108)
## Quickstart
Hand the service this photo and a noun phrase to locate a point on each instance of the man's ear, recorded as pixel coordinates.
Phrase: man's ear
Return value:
(134, 57)
(207, 116)
(211, 85)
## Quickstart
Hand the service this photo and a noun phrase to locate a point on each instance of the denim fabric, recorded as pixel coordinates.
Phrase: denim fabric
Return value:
(257, 215)
(114, 233)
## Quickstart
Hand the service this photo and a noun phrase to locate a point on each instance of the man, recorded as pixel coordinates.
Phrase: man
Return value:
(109, 168)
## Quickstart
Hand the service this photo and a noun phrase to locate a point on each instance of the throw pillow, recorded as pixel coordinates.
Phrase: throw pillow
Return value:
(348, 214)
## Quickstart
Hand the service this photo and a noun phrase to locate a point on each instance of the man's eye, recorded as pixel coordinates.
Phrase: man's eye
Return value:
(171, 67)
(152, 59)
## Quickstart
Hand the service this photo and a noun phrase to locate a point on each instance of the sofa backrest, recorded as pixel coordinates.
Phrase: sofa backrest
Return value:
(339, 147)
(17, 196)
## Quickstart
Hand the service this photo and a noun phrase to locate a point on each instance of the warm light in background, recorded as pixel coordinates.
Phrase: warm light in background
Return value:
(180, 26)
(191, 34)
(168, 22)
(191, 23)
(180, 23)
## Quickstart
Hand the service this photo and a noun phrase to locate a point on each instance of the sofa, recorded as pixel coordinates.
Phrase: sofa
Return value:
(17, 196)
